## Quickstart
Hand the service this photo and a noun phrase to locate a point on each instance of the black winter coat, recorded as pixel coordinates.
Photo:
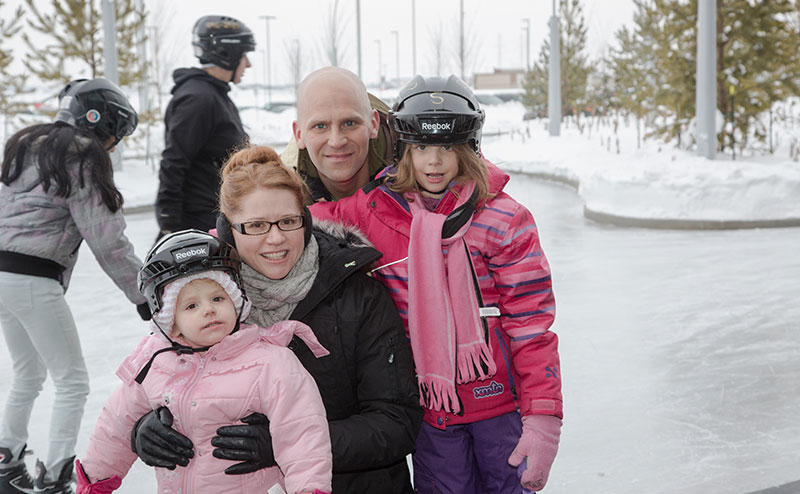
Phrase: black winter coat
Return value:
(202, 127)
(367, 383)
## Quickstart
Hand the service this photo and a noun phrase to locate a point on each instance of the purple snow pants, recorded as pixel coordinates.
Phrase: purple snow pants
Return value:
(469, 458)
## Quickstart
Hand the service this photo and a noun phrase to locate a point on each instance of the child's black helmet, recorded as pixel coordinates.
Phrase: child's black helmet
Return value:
(181, 253)
(97, 105)
(221, 40)
(436, 111)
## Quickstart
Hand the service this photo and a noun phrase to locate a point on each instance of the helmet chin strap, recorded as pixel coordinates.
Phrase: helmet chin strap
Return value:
(178, 348)
(437, 194)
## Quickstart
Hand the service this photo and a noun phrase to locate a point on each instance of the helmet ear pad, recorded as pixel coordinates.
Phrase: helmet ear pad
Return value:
(308, 225)
(225, 232)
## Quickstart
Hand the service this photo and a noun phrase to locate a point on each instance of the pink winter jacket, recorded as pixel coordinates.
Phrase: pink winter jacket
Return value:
(515, 286)
(249, 371)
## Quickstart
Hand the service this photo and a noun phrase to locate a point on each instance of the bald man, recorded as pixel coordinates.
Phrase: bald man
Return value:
(343, 140)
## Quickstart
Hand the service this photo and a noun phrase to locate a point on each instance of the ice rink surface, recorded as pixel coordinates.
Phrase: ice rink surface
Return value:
(680, 352)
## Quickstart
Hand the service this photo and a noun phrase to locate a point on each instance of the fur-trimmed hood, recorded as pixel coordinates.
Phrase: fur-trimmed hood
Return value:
(348, 234)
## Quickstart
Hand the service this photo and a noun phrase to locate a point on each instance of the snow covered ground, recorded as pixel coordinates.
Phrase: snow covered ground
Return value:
(655, 185)
(679, 349)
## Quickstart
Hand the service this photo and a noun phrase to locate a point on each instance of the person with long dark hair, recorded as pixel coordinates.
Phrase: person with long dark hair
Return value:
(58, 190)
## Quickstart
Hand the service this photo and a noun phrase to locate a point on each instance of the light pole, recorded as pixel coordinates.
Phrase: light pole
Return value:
(554, 79)
(706, 76)
(358, 35)
(461, 60)
(413, 38)
(380, 64)
(268, 18)
(527, 29)
(396, 53)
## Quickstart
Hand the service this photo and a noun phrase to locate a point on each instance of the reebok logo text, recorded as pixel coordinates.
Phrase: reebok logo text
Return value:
(435, 126)
(185, 254)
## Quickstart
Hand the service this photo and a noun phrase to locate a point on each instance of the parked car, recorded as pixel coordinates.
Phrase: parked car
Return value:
(278, 106)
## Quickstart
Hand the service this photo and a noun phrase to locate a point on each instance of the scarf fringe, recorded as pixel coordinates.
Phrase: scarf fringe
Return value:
(436, 393)
(472, 361)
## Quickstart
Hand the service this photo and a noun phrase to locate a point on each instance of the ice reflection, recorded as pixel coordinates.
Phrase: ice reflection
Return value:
(680, 352)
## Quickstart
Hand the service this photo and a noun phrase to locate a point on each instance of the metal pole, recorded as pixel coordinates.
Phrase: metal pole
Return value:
(268, 18)
(461, 41)
(554, 83)
(413, 38)
(110, 41)
(358, 34)
(733, 123)
(144, 104)
(110, 57)
(380, 64)
(706, 92)
(396, 53)
(527, 43)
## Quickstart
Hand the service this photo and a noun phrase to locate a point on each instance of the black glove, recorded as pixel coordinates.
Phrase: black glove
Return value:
(251, 444)
(144, 311)
(157, 443)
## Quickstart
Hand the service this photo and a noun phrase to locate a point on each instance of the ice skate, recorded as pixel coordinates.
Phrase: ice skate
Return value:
(14, 477)
(44, 484)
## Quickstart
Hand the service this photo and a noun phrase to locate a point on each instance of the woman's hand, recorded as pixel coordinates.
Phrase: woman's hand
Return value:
(158, 444)
(251, 444)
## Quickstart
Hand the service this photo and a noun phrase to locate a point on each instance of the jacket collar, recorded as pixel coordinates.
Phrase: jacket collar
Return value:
(343, 251)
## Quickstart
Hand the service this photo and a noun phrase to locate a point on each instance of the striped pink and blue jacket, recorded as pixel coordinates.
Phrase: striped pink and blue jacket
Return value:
(515, 286)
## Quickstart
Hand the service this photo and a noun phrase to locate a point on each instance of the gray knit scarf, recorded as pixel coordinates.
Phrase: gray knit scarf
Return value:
(274, 300)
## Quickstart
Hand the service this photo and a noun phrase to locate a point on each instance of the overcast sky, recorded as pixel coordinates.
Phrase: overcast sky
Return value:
(496, 27)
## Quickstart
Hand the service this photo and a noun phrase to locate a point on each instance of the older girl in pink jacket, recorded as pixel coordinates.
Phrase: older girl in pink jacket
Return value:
(203, 369)
(465, 268)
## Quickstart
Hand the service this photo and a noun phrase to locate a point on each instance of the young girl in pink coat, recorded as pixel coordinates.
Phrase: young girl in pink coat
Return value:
(463, 263)
(203, 369)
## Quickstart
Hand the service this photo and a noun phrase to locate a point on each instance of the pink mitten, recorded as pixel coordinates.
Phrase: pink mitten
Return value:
(85, 486)
(539, 443)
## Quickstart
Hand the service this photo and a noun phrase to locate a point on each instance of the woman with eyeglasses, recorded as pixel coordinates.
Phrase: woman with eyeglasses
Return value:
(58, 191)
(316, 275)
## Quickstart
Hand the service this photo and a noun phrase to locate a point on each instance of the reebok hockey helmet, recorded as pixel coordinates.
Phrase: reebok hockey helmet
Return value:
(184, 253)
(436, 111)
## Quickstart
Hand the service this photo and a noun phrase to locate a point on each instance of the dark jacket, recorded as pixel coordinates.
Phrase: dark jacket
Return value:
(202, 127)
(367, 383)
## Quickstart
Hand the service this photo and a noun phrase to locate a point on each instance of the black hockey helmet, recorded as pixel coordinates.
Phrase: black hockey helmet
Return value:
(436, 111)
(97, 105)
(221, 40)
(181, 253)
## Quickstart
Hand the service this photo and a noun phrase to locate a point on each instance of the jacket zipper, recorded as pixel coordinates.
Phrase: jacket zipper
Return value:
(185, 406)
(506, 351)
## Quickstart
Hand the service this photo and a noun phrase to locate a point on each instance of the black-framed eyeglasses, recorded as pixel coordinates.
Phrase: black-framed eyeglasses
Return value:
(262, 227)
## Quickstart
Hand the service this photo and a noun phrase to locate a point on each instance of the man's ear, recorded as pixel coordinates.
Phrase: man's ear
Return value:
(297, 138)
(375, 125)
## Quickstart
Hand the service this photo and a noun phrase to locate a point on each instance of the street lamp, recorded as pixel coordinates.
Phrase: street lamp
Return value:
(527, 29)
(397, 53)
(380, 67)
(358, 35)
(413, 38)
(268, 18)
(554, 77)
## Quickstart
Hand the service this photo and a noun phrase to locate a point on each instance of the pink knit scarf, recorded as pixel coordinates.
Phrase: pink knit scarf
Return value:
(443, 315)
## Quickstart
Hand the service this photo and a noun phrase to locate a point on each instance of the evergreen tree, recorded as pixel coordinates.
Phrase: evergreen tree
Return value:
(75, 32)
(635, 70)
(757, 53)
(759, 48)
(601, 88)
(12, 84)
(574, 64)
